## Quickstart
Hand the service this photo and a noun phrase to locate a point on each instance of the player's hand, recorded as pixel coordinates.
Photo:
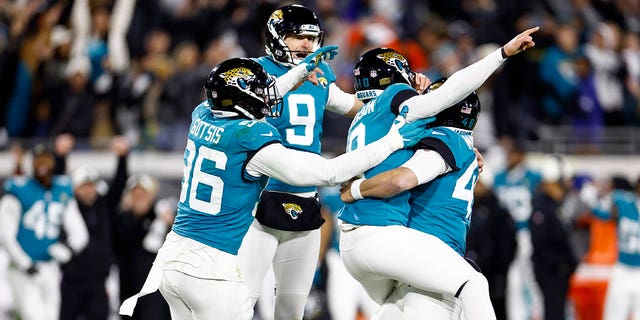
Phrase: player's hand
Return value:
(120, 145)
(64, 143)
(60, 252)
(411, 132)
(327, 52)
(520, 43)
(345, 191)
(422, 82)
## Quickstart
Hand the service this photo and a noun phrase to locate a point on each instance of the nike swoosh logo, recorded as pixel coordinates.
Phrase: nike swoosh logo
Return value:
(270, 134)
(438, 133)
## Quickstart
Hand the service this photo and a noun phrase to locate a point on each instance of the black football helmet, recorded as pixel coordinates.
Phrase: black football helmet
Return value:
(241, 87)
(463, 115)
(377, 69)
(291, 19)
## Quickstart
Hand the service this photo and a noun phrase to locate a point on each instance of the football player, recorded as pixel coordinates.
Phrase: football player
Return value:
(381, 79)
(34, 212)
(439, 207)
(229, 157)
(515, 187)
(286, 232)
(619, 202)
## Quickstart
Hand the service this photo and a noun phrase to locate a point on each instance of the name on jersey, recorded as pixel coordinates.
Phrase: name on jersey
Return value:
(365, 110)
(206, 131)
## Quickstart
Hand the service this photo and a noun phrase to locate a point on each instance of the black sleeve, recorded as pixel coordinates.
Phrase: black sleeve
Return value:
(250, 156)
(400, 98)
(440, 147)
(60, 166)
(117, 184)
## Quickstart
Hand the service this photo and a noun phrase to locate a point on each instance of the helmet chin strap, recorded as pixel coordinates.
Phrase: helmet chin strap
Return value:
(244, 112)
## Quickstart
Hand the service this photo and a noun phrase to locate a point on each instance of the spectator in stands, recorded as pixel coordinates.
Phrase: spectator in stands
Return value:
(139, 228)
(558, 74)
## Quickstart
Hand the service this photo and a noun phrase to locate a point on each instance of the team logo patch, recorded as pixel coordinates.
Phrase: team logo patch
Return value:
(393, 59)
(323, 82)
(292, 210)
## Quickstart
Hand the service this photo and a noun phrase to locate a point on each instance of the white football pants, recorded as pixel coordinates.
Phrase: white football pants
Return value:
(524, 298)
(37, 297)
(294, 256)
(345, 295)
(378, 257)
(623, 293)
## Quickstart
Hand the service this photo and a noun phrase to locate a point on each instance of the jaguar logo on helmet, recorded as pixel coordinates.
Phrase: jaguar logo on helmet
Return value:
(393, 59)
(276, 16)
(238, 77)
(292, 209)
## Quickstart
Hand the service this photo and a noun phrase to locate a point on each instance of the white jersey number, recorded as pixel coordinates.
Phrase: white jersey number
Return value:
(193, 176)
(461, 192)
(356, 137)
(44, 224)
(296, 118)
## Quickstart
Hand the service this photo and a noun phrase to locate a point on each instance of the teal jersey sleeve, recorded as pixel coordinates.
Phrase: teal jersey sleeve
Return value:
(442, 207)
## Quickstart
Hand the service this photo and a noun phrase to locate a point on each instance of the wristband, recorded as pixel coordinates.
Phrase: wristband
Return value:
(355, 189)
(503, 53)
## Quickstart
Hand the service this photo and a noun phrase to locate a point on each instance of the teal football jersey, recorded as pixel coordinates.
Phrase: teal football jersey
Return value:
(442, 207)
(300, 123)
(370, 124)
(515, 191)
(628, 206)
(42, 213)
(218, 196)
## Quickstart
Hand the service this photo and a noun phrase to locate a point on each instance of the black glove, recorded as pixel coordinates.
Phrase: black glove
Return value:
(32, 270)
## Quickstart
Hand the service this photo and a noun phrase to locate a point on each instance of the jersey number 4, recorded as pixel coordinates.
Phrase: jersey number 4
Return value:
(464, 186)
(195, 178)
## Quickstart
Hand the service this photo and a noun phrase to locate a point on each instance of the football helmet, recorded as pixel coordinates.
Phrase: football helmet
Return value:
(463, 115)
(291, 19)
(378, 68)
(241, 87)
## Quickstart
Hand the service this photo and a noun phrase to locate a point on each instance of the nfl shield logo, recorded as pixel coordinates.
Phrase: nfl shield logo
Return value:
(466, 110)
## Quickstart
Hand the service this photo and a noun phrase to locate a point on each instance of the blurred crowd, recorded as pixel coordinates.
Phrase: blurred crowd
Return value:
(98, 68)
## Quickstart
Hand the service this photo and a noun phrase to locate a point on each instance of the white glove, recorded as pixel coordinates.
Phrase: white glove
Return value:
(60, 253)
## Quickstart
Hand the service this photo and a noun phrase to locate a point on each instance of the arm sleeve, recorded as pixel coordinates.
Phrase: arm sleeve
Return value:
(427, 165)
(339, 101)
(456, 88)
(75, 228)
(287, 81)
(308, 169)
(10, 209)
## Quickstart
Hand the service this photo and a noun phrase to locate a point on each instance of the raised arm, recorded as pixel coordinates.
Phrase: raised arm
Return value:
(465, 81)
